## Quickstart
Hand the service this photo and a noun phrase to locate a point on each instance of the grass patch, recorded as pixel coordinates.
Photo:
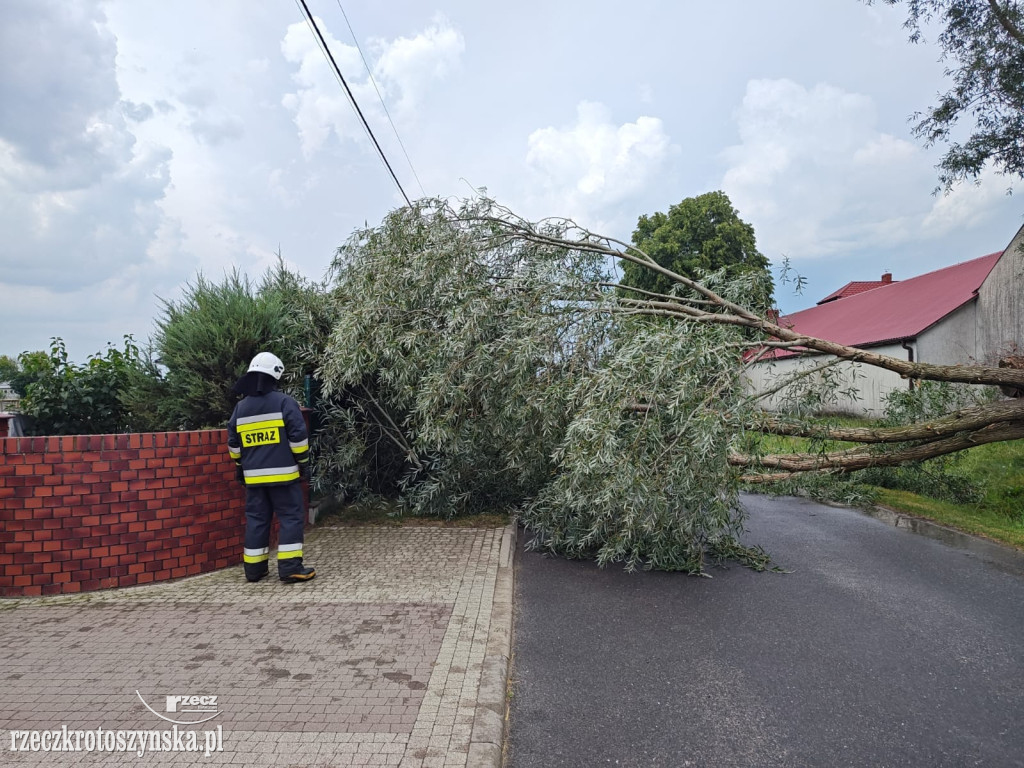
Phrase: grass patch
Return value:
(385, 512)
(999, 515)
(969, 518)
(997, 468)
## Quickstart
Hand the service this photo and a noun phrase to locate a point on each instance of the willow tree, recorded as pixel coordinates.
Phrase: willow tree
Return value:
(482, 361)
(979, 117)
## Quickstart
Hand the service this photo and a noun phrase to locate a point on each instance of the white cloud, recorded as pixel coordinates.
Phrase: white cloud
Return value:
(80, 236)
(99, 215)
(966, 205)
(404, 71)
(319, 104)
(53, 85)
(884, 151)
(587, 168)
(815, 175)
(216, 131)
(410, 64)
(79, 196)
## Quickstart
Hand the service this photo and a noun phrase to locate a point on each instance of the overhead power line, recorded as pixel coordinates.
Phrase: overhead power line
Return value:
(351, 97)
(381, 97)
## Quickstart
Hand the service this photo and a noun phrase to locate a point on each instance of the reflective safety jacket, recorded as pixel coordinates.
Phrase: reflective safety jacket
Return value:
(267, 438)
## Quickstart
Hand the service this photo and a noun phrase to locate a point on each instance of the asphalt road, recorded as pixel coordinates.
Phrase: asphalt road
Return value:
(881, 647)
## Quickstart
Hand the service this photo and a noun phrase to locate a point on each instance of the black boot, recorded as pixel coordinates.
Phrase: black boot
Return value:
(303, 573)
(254, 573)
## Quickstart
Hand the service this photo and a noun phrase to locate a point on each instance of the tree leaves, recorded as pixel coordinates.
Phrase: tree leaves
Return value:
(983, 42)
(478, 370)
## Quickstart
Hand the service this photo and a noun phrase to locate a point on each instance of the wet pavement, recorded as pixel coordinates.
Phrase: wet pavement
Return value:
(880, 647)
(394, 655)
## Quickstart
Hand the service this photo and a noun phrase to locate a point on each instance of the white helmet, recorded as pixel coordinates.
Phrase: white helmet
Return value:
(268, 363)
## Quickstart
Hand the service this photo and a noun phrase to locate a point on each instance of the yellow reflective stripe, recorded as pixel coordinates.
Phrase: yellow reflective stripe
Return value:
(243, 420)
(258, 479)
(288, 555)
(233, 453)
(268, 424)
(255, 558)
(300, 447)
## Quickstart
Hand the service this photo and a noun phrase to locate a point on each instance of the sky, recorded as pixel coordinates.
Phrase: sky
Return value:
(143, 143)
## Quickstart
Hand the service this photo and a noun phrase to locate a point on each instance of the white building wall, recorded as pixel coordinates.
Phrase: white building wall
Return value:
(1001, 305)
(953, 341)
(872, 383)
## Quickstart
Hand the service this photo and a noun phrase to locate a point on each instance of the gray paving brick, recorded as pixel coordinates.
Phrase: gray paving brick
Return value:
(373, 663)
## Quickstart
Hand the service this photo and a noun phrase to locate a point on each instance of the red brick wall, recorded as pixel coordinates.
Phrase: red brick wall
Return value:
(91, 512)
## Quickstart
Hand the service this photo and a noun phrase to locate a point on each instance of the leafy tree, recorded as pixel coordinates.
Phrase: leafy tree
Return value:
(698, 235)
(9, 368)
(481, 361)
(982, 42)
(305, 323)
(481, 371)
(69, 399)
(20, 373)
(940, 477)
(449, 366)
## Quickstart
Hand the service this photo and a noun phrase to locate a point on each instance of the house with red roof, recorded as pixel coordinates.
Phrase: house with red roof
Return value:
(967, 313)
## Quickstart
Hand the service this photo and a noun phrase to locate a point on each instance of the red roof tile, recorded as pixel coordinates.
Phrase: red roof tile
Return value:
(895, 311)
(853, 288)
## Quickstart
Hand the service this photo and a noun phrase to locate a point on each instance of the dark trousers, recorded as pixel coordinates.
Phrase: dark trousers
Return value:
(261, 504)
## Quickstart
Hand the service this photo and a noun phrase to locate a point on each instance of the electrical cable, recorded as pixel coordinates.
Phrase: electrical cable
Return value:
(352, 99)
(381, 97)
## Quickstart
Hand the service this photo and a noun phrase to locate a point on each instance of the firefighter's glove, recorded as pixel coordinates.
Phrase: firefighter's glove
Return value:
(240, 474)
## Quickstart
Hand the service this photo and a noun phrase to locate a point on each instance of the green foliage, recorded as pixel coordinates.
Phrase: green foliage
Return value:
(28, 368)
(983, 41)
(650, 489)
(943, 477)
(203, 343)
(999, 469)
(145, 394)
(699, 235)
(468, 370)
(9, 368)
(449, 362)
(304, 322)
(69, 399)
(948, 478)
(206, 340)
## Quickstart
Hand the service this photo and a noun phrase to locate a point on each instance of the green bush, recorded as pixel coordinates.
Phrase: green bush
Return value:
(70, 399)
(205, 341)
(940, 478)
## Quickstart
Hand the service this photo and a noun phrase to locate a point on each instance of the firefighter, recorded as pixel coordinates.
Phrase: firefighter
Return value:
(267, 440)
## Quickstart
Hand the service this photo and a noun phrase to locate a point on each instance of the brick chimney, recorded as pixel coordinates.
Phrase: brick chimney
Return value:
(886, 278)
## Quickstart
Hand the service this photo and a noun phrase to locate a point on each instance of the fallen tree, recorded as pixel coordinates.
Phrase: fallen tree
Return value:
(697, 303)
(477, 361)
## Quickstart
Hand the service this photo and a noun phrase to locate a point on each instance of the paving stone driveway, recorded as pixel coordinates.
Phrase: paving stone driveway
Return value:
(379, 661)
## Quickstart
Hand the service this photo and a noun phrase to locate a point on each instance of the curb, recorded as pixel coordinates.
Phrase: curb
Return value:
(487, 740)
(1002, 555)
